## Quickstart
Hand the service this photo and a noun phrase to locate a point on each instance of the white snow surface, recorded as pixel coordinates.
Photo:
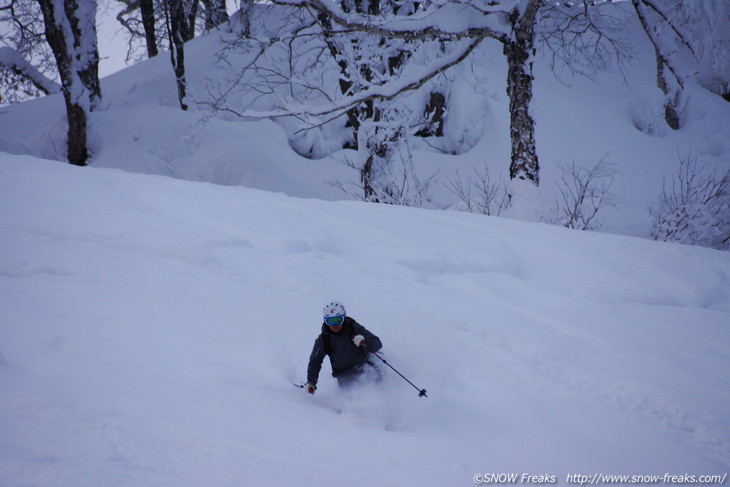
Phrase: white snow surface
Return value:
(150, 328)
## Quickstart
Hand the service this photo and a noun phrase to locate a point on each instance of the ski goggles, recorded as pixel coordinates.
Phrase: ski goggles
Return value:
(334, 320)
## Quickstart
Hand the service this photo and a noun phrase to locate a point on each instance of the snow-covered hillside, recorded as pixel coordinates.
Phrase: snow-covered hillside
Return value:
(150, 328)
(140, 128)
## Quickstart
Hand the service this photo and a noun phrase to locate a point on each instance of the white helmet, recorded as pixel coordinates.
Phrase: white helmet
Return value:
(334, 309)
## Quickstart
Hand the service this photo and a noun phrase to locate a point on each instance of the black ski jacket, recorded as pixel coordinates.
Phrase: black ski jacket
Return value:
(342, 351)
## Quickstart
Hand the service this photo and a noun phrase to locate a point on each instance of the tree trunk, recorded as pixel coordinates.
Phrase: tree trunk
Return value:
(85, 50)
(664, 70)
(147, 9)
(178, 32)
(77, 66)
(188, 25)
(519, 51)
(671, 96)
(78, 152)
(365, 173)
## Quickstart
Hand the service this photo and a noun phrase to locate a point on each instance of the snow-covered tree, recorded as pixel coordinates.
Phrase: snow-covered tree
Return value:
(695, 207)
(690, 38)
(346, 63)
(365, 60)
(463, 26)
(48, 38)
(71, 34)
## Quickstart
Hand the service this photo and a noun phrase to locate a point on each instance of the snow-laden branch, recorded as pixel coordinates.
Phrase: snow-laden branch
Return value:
(450, 20)
(665, 18)
(12, 60)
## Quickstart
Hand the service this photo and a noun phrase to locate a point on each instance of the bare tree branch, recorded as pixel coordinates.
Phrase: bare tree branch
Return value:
(583, 193)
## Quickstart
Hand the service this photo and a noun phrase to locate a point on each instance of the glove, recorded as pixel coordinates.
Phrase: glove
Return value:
(358, 340)
(310, 388)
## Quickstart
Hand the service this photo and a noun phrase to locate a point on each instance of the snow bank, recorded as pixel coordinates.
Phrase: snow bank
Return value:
(150, 328)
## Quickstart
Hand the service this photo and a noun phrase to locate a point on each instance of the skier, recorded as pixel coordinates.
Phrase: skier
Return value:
(348, 345)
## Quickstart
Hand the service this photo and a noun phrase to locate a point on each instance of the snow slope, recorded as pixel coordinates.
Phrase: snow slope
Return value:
(149, 329)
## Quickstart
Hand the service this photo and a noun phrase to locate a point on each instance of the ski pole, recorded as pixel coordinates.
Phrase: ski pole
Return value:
(421, 392)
